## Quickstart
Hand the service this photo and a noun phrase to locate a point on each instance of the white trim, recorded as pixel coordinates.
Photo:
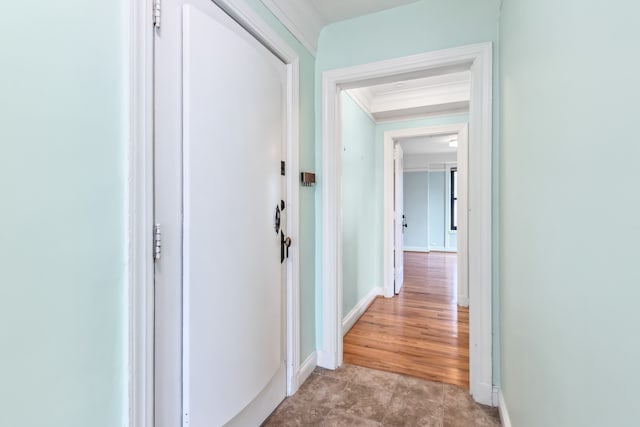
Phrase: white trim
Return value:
(301, 19)
(388, 203)
(478, 59)
(442, 249)
(502, 408)
(325, 359)
(463, 301)
(495, 395)
(462, 233)
(306, 369)
(440, 94)
(359, 96)
(483, 393)
(420, 97)
(252, 22)
(248, 18)
(293, 228)
(359, 309)
(140, 216)
(416, 249)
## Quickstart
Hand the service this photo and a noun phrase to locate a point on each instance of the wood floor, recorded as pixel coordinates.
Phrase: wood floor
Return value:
(421, 332)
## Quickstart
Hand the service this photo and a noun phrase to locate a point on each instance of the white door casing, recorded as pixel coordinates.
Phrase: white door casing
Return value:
(194, 88)
(477, 59)
(463, 225)
(398, 219)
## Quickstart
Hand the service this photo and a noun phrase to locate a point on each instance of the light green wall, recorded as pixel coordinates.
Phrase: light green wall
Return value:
(415, 208)
(436, 208)
(358, 187)
(306, 240)
(570, 317)
(415, 28)
(362, 198)
(63, 258)
(63, 251)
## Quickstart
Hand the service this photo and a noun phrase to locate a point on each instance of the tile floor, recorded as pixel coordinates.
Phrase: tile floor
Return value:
(357, 396)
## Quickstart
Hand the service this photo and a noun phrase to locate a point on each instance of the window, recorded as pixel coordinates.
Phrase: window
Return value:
(453, 190)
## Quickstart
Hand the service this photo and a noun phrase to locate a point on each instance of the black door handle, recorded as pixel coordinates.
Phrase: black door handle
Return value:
(285, 243)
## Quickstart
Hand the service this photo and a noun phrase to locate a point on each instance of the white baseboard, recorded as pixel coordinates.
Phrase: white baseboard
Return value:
(502, 408)
(441, 249)
(415, 249)
(463, 301)
(352, 317)
(306, 369)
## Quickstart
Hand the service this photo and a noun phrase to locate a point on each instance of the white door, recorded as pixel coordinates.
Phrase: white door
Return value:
(220, 293)
(399, 219)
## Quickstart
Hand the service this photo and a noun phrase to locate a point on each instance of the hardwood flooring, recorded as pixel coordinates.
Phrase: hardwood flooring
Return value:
(421, 332)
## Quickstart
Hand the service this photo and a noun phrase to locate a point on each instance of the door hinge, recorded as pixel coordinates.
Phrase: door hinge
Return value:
(156, 13)
(157, 242)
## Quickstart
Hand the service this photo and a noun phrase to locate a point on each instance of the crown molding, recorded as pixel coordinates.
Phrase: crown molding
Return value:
(363, 98)
(428, 96)
(302, 19)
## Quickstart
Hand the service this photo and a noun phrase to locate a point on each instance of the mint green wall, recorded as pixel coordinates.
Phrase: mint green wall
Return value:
(63, 257)
(306, 240)
(415, 207)
(570, 317)
(436, 209)
(415, 28)
(358, 187)
(63, 179)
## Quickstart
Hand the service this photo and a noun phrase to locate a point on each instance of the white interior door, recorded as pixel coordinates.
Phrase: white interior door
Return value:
(220, 282)
(399, 219)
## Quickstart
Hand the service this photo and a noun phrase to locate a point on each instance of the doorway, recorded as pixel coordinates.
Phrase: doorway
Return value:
(477, 60)
(424, 329)
(443, 133)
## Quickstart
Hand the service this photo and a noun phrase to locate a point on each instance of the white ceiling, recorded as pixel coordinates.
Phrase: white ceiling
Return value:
(462, 78)
(339, 10)
(427, 96)
(306, 18)
(428, 144)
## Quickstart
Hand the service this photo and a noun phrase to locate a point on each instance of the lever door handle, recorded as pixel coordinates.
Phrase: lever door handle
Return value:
(285, 243)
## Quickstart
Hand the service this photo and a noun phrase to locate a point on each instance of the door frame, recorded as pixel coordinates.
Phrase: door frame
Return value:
(393, 225)
(476, 58)
(140, 320)
(390, 139)
(140, 295)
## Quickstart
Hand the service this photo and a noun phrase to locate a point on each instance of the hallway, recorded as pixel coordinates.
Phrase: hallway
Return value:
(421, 332)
